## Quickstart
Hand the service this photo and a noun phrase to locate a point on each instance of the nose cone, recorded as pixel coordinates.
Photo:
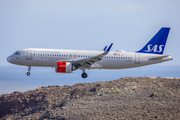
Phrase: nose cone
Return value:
(9, 59)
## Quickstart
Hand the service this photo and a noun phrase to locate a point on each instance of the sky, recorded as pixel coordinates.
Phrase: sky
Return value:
(87, 25)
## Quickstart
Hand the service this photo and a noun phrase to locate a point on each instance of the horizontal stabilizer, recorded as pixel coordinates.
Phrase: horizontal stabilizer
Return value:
(159, 57)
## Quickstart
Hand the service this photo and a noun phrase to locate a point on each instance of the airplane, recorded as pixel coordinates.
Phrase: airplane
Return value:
(66, 61)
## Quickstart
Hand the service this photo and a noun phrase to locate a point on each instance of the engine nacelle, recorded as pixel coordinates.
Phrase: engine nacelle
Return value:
(64, 67)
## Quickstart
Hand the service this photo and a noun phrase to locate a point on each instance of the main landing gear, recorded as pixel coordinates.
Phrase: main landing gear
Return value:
(84, 75)
(29, 69)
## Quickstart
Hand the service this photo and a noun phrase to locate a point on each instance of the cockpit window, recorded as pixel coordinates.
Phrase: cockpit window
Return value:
(16, 53)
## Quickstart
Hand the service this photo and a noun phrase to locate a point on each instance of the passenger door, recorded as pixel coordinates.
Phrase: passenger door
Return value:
(137, 58)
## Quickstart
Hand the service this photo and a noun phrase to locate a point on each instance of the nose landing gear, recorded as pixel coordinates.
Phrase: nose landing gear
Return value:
(29, 69)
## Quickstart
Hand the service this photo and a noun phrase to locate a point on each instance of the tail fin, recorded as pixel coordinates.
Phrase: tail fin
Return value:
(157, 44)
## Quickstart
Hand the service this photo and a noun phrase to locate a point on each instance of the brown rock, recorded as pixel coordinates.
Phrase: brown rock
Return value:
(154, 98)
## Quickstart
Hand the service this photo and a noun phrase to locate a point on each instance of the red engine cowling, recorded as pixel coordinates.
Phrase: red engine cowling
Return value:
(64, 67)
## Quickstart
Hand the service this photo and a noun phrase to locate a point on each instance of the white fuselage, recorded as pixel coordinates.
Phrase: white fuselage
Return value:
(113, 60)
(66, 61)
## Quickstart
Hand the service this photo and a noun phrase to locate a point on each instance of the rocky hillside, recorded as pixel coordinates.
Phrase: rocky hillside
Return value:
(126, 98)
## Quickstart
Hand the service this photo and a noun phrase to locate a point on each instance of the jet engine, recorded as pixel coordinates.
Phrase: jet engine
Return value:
(64, 67)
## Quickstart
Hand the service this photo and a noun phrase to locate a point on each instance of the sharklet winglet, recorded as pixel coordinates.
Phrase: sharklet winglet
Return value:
(109, 48)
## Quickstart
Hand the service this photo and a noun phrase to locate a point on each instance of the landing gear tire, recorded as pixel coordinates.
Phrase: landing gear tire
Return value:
(29, 69)
(28, 73)
(84, 75)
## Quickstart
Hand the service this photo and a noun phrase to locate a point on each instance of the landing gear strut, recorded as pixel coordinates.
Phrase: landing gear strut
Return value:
(29, 69)
(84, 75)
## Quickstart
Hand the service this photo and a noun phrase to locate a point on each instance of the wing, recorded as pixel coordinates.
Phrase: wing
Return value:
(86, 62)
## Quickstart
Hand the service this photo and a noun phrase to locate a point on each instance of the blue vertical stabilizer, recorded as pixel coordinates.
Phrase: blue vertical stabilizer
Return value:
(157, 44)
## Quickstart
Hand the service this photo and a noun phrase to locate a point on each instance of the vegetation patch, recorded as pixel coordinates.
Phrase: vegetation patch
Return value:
(101, 94)
(134, 88)
(86, 93)
(117, 91)
(108, 91)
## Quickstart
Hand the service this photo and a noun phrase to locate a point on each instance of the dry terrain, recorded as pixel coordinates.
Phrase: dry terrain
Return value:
(132, 98)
